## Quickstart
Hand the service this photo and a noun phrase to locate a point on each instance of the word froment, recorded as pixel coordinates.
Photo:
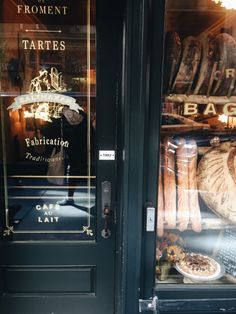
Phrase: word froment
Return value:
(42, 9)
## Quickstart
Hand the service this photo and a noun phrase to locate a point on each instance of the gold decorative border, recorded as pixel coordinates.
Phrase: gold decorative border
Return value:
(10, 230)
(86, 229)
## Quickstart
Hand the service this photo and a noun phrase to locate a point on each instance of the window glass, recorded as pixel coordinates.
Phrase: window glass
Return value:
(196, 215)
(48, 118)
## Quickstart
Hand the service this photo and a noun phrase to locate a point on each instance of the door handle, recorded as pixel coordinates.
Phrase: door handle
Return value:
(106, 208)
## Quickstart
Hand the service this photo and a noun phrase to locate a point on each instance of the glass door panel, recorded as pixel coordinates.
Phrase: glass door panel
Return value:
(48, 118)
(196, 218)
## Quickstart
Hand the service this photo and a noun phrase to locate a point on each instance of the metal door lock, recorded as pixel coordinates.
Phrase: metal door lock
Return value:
(106, 205)
(106, 233)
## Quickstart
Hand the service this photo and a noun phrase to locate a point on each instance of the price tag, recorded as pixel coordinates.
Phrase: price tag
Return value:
(106, 155)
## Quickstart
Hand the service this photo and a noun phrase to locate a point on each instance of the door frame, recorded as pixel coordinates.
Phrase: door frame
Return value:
(131, 140)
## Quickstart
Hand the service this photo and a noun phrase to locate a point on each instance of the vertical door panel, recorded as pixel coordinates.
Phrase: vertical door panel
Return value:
(58, 92)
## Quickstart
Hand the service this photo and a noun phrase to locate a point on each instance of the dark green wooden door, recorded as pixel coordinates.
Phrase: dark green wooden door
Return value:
(59, 68)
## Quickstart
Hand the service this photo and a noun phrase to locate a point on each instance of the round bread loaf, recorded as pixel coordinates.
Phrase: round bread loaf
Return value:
(216, 180)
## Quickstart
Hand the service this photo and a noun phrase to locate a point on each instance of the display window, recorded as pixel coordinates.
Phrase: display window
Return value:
(196, 214)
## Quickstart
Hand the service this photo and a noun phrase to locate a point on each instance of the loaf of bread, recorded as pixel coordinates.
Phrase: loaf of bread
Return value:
(224, 86)
(195, 213)
(169, 183)
(182, 185)
(217, 180)
(208, 66)
(188, 68)
(173, 49)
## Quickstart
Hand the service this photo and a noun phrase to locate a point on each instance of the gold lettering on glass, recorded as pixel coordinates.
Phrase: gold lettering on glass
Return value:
(42, 9)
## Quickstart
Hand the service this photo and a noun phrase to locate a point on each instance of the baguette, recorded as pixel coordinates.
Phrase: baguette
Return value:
(182, 181)
(195, 213)
(169, 183)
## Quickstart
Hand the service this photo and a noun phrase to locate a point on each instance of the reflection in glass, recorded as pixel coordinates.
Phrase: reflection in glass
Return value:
(197, 185)
(48, 121)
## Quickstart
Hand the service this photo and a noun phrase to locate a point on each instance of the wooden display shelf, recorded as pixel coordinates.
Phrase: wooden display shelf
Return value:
(71, 94)
(200, 99)
(215, 223)
(211, 223)
(227, 279)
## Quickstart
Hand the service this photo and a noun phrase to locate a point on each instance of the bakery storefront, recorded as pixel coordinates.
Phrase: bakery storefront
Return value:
(118, 146)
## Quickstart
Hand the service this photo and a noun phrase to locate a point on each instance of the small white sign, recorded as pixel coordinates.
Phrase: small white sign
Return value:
(107, 155)
(150, 225)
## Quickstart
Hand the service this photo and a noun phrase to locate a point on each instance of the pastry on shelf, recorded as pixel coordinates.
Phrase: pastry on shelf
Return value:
(199, 267)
